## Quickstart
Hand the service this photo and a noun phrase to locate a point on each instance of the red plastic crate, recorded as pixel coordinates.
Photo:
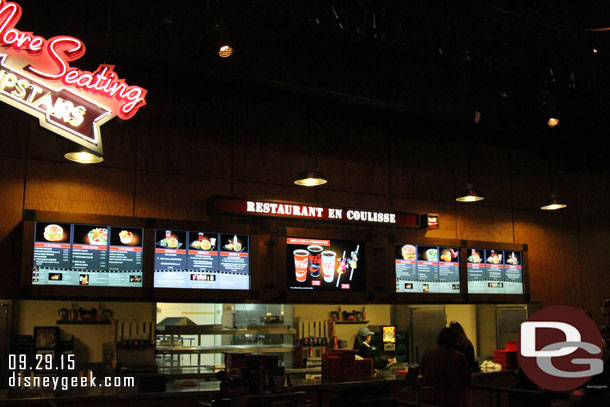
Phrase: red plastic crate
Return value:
(331, 367)
(506, 358)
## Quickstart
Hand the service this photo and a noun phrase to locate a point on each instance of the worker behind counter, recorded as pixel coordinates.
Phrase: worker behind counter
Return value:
(363, 345)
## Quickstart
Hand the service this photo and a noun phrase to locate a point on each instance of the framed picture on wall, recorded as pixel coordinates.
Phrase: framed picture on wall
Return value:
(46, 337)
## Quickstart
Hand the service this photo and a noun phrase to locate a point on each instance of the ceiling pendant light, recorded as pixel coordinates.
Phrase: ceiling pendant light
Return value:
(225, 51)
(469, 194)
(83, 157)
(549, 107)
(553, 203)
(310, 178)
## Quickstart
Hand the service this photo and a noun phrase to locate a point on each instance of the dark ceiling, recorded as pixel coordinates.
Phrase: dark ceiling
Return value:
(439, 59)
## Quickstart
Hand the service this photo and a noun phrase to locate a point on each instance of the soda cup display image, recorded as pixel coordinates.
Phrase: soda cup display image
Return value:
(301, 261)
(315, 260)
(328, 265)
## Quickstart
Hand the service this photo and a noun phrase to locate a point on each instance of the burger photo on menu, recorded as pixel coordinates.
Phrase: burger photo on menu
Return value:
(53, 232)
(170, 239)
(408, 252)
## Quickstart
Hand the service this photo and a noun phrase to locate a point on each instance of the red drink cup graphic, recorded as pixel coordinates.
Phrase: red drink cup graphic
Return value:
(301, 259)
(315, 260)
(328, 265)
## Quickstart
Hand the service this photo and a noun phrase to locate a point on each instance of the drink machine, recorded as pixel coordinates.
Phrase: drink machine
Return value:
(388, 337)
(388, 343)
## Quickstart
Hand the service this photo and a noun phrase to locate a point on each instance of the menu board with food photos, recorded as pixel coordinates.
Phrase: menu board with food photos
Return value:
(325, 265)
(492, 271)
(194, 259)
(87, 255)
(427, 269)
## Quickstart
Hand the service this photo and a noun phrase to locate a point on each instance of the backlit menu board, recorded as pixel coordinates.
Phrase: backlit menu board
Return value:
(207, 260)
(493, 271)
(87, 255)
(427, 269)
(325, 265)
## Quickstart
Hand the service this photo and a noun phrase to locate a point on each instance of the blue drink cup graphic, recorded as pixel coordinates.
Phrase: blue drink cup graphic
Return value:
(315, 260)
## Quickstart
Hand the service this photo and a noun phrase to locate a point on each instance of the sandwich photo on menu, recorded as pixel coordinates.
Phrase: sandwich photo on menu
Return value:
(53, 232)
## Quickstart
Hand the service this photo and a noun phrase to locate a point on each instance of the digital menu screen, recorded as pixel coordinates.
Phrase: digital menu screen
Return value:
(427, 269)
(493, 271)
(87, 255)
(206, 260)
(325, 265)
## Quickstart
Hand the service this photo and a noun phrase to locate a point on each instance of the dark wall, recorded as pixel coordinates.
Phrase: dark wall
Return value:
(249, 142)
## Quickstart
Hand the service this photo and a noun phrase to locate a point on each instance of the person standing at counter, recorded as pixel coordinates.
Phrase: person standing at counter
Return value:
(363, 344)
(464, 345)
(447, 371)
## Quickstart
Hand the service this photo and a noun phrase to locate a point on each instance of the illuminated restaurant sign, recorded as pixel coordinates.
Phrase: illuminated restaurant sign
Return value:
(311, 211)
(36, 77)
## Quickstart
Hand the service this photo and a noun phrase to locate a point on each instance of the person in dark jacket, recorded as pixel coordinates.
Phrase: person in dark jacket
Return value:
(363, 344)
(446, 372)
(464, 345)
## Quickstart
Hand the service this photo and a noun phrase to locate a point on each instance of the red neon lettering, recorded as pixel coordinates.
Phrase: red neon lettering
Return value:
(59, 51)
(9, 15)
(54, 63)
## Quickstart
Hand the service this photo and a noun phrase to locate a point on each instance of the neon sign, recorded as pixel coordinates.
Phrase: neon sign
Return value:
(218, 204)
(36, 77)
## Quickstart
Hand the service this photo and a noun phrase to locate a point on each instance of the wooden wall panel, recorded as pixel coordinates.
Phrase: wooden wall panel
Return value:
(14, 131)
(45, 145)
(179, 151)
(354, 158)
(553, 256)
(175, 196)
(594, 195)
(270, 141)
(353, 199)
(71, 187)
(268, 158)
(253, 190)
(12, 175)
(120, 142)
(422, 169)
(595, 274)
(478, 222)
(529, 181)
(489, 173)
